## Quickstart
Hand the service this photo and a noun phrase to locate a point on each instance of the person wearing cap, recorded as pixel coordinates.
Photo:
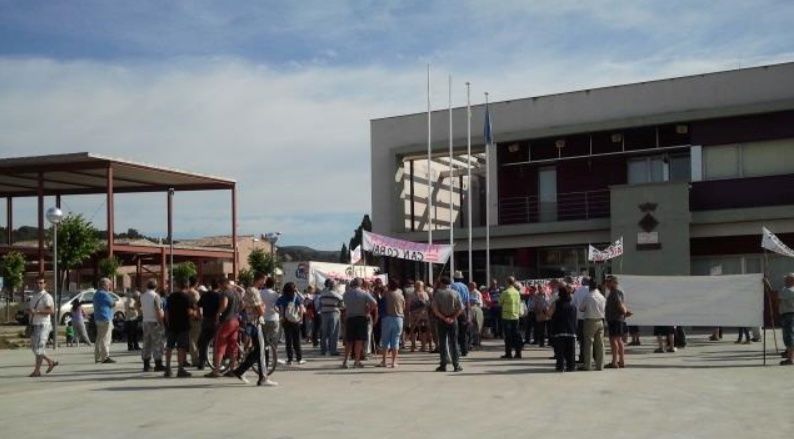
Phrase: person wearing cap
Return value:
(786, 310)
(510, 303)
(103, 317)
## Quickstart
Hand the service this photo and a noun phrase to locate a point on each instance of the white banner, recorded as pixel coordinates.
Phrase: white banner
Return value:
(397, 248)
(613, 251)
(355, 255)
(774, 244)
(735, 300)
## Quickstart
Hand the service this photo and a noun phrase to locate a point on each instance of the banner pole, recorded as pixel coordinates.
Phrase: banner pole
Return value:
(430, 195)
(768, 295)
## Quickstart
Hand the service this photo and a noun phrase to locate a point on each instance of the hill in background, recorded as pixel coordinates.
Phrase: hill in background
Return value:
(303, 253)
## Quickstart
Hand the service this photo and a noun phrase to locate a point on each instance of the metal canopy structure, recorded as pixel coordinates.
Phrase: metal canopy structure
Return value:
(87, 173)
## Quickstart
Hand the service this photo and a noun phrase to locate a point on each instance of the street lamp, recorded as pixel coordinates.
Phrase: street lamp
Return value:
(54, 216)
(272, 238)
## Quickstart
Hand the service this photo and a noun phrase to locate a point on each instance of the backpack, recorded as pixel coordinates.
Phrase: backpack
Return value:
(292, 312)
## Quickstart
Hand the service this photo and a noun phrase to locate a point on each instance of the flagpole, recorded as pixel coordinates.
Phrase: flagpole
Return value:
(429, 178)
(488, 142)
(451, 186)
(468, 159)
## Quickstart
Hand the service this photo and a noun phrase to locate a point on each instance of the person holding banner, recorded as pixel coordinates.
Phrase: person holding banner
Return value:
(786, 309)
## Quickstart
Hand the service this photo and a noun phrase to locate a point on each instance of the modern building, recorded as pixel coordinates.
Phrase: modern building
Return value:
(687, 170)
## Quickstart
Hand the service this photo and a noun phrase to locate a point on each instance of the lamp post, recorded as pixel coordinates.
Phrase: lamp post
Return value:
(272, 238)
(54, 216)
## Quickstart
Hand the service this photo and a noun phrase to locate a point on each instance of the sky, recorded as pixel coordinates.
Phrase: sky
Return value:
(278, 95)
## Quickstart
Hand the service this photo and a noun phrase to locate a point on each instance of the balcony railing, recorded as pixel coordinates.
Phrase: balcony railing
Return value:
(569, 206)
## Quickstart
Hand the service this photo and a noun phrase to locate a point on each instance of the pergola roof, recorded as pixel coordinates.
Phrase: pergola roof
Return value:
(87, 173)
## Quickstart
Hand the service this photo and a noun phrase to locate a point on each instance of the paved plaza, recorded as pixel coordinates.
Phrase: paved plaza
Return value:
(708, 390)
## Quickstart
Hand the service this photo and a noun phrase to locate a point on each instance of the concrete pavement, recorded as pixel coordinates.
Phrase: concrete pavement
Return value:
(708, 390)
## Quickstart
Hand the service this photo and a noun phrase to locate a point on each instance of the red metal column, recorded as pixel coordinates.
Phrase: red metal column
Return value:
(10, 220)
(139, 272)
(162, 268)
(234, 232)
(41, 223)
(110, 213)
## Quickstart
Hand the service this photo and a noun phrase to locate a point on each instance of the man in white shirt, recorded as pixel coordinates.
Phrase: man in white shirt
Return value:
(269, 297)
(593, 307)
(41, 308)
(578, 296)
(152, 315)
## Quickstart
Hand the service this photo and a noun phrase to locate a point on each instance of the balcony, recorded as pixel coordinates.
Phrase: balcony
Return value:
(568, 207)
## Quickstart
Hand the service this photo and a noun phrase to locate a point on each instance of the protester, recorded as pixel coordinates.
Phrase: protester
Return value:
(542, 307)
(177, 322)
(579, 294)
(290, 306)
(419, 315)
(226, 336)
(208, 304)
(477, 319)
(392, 323)
(330, 308)
(358, 304)
(593, 306)
(464, 337)
(447, 308)
(616, 312)
(78, 320)
(42, 307)
(130, 301)
(254, 309)
(374, 328)
(510, 303)
(496, 310)
(664, 339)
(530, 321)
(786, 310)
(194, 294)
(269, 298)
(409, 293)
(151, 309)
(104, 305)
(563, 331)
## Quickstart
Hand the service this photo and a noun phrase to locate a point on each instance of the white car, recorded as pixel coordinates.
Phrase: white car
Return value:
(86, 298)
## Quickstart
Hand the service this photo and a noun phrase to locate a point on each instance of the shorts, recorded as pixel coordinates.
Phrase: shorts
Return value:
(616, 328)
(178, 340)
(787, 325)
(356, 329)
(662, 331)
(39, 337)
(391, 327)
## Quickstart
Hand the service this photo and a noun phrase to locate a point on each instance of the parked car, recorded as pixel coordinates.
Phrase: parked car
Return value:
(86, 298)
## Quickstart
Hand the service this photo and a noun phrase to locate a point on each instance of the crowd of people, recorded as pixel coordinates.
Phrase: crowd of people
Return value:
(370, 317)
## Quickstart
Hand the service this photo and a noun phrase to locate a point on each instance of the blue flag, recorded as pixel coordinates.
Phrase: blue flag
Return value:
(488, 130)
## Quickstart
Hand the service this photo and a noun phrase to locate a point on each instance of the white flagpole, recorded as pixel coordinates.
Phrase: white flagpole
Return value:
(429, 179)
(468, 158)
(488, 200)
(451, 186)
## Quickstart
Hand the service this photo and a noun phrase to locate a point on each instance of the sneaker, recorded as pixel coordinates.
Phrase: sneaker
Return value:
(441, 369)
(301, 361)
(344, 365)
(230, 374)
(747, 342)
(182, 373)
(167, 373)
(241, 378)
(658, 351)
(108, 360)
(671, 350)
(786, 363)
(213, 374)
(757, 339)
(280, 361)
(267, 382)
(457, 369)
(358, 365)
(289, 363)
(506, 357)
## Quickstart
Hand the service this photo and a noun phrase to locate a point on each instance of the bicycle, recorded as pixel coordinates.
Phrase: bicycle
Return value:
(268, 350)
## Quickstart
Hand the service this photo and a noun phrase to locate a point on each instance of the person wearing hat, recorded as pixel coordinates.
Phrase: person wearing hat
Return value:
(103, 317)
(786, 310)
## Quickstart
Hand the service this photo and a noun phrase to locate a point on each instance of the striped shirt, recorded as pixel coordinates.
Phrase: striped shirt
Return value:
(330, 302)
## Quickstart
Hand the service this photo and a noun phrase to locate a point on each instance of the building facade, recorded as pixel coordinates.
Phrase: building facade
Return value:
(687, 170)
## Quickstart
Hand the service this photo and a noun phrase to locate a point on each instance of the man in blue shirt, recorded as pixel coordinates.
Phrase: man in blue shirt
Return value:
(104, 304)
(464, 336)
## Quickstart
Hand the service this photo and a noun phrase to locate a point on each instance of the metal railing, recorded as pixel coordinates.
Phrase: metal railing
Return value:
(569, 206)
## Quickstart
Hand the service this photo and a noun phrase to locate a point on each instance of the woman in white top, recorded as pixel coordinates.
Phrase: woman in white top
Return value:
(41, 309)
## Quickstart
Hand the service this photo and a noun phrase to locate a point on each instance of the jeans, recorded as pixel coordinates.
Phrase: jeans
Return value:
(329, 336)
(255, 355)
(464, 338)
(207, 334)
(317, 322)
(447, 343)
(593, 343)
(292, 336)
(104, 331)
(513, 340)
(540, 332)
(496, 321)
(529, 327)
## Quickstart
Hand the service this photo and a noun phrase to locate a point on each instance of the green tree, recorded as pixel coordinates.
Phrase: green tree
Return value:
(344, 254)
(77, 241)
(183, 271)
(13, 269)
(259, 261)
(245, 277)
(109, 268)
(358, 239)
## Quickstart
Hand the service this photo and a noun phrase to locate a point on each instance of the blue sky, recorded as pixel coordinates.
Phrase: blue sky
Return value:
(278, 95)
